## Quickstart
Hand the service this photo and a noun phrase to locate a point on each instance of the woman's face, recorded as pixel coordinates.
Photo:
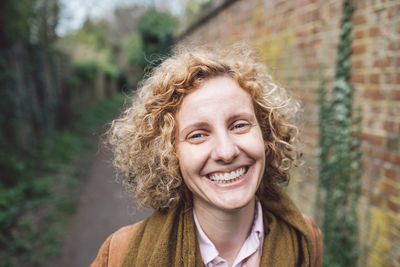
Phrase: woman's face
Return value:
(219, 145)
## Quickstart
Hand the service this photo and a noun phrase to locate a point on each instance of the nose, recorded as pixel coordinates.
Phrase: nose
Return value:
(225, 149)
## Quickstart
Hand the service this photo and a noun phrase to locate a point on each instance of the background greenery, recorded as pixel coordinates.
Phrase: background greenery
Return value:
(33, 213)
(340, 157)
(55, 94)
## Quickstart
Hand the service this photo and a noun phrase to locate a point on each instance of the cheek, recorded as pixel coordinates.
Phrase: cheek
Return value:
(191, 160)
(253, 144)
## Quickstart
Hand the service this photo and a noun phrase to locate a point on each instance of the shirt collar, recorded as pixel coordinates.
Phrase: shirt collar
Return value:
(207, 249)
(253, 241)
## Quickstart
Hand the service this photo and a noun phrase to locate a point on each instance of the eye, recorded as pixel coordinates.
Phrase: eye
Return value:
(196, 137)
(241, 127)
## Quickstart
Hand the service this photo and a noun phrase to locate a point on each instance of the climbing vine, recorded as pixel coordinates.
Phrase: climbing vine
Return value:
(340, 156)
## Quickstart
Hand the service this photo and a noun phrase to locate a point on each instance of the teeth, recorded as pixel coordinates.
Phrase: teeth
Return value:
(228, 177)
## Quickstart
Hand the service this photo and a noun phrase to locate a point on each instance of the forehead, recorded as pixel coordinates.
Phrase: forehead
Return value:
(219, 95)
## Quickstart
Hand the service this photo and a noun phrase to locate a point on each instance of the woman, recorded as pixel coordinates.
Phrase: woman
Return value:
(206, 143)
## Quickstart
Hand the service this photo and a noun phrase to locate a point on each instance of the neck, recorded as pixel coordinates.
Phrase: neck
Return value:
(226, 229)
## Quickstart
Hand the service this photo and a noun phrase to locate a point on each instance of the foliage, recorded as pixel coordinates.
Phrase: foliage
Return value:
(93, 37)
(156, 29)
(93, 34)
(194, 7)
(47, 13)
(119, 28)
(84, 73)
(204, 4)
(38, 91)
(340, 159)
(27, 79)
(133, 47)
(29, 21)
(14, 19)
(38, 95)
(108, 65)
(150, 43)
(33, 211)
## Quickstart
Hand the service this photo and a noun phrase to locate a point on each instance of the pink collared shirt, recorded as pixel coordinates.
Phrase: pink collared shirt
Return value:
(250, 253)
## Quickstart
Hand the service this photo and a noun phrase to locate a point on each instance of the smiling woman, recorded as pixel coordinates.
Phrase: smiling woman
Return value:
(206, 142)
(220, 146)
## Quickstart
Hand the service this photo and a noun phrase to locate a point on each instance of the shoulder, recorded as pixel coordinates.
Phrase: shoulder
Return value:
(112, 252)
(316, 238)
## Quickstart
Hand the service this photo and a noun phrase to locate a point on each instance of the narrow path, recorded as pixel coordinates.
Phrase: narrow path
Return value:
(103, 208)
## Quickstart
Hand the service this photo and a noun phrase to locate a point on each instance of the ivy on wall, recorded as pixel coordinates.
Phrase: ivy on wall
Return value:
(340, 156)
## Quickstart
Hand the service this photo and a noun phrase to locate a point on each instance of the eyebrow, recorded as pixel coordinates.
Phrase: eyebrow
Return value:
(241, 115)
(200, 124)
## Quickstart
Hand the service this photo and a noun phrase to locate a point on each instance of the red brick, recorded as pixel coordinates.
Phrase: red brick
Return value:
(365, 163)
(389, 189)
(358, 64)
(312, 65)
(364, 191)
(398, 78)
(388, 78)
(372, 94)
(396, 61)
(396, 159)
(359, 19)
(376, 199)
(334, 9)
(358, 49)
(312, 15)
(367, 181)
(373, 139)
(391, 126)
(357, 78)
(359, 4)
(376, 170)
(371, 169)
(316, 43)
(393, 12)
(283, 25)
(395, 95)
(386, 156)
(392, 206)
(359, 34)
(301, 34)
(373, 32)
(391, 174)
(315, 30)
(382, 62)
(392, 45)
(374, 78)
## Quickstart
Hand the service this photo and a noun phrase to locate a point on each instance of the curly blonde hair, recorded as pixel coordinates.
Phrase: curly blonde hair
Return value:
(143, 137)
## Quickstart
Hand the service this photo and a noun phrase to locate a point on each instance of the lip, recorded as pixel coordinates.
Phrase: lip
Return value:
(236, 183)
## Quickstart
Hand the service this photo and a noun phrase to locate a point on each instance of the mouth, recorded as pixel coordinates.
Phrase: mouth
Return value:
(228, 177)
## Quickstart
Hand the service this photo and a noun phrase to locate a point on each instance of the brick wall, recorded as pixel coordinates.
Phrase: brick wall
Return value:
(297, 41)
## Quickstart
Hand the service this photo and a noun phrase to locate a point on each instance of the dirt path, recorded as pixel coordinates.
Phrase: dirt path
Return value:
(104, 207)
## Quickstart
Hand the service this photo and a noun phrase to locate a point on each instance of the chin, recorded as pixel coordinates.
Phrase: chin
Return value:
(235, 204)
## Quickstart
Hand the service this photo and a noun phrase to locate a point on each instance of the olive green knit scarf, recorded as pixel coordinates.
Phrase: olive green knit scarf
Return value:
(169, 238)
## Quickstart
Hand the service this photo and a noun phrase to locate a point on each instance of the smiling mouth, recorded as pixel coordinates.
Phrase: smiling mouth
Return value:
(228, 177)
